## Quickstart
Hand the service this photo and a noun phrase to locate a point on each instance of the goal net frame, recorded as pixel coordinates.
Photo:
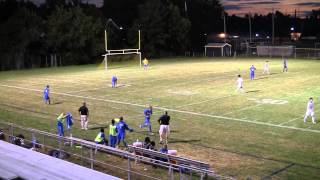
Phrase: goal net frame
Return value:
(113, 52)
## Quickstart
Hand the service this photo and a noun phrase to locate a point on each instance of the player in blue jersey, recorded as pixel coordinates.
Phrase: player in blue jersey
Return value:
(147, 117)
(252, 70)
(114, 80)
(122, 127)
(46, 95)
(69, 122)
(285, 65)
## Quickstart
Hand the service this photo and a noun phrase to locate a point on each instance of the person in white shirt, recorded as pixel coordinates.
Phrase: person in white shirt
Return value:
(266, 69)
(240, 83)
(310, 111)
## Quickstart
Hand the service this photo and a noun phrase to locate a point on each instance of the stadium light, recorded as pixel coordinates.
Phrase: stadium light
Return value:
(257, 35)
(222, 35)
(292, 28)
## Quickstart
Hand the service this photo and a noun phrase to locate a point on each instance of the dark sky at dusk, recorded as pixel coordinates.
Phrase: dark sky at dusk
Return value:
(241, 7)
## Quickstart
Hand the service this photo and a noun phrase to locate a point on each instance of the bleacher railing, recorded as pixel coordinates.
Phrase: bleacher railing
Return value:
(111, 160)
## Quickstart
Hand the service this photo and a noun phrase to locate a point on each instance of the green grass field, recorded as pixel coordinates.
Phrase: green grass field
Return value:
(256, 134)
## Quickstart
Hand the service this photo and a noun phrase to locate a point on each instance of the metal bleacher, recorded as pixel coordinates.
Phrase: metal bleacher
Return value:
(20, 163)
(175, 165)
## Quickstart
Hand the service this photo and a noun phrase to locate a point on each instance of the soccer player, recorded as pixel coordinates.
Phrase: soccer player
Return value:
(164, 130)
(69, 121)
(266, 68)
(147, 116)
(240, 84)
(113, 133)
(84, 114)
(114, 80)
(60, 121)
(101, 137)
(122, 127)
(252, 70)
(145, 64)
(46, 96)
(310, 111)
(285, 65)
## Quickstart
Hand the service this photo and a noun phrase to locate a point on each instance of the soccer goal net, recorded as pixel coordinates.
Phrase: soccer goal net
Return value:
(276, 51)
(120, 53)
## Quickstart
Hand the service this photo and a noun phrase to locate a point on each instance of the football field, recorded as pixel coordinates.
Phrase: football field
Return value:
(256, 134)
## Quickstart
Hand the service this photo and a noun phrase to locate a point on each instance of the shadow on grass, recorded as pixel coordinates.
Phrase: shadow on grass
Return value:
(253, 91)
(59, 102)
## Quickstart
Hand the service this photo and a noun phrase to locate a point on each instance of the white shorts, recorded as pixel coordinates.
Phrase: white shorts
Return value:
(84, 118)
(310, 113)
(164, 129)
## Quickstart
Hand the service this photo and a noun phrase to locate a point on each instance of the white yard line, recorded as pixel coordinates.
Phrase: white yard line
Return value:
(174, 110)
(242, 109)
(300, 117)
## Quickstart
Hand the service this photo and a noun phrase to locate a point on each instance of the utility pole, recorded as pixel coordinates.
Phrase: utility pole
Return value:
(272, 26)
(224, 26)
(250, 27)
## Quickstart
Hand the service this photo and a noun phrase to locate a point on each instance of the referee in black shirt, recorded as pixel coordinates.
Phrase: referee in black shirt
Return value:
(164, 128)
(84, 114)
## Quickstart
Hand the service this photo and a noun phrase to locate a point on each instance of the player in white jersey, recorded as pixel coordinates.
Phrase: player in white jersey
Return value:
(266, 68)
(310, 111)
(240, 83)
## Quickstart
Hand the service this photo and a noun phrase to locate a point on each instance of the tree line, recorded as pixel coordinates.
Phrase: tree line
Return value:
(67, 32)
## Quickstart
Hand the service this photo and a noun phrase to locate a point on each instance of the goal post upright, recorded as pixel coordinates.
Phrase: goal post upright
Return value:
(139, 35)
(106, 47)
(111, 52)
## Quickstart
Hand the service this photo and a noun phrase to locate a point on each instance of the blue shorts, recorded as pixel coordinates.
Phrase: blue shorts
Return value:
(147, 121)
(60, 129)
(121, 137)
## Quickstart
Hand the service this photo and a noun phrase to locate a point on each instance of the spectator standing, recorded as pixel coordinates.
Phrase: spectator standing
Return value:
(60, 121)
(113, 133)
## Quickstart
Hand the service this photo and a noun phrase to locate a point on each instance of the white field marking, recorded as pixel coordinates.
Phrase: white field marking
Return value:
(268, 101)
(242, 109)
(200, 102)
(300, 117)
(174, 110)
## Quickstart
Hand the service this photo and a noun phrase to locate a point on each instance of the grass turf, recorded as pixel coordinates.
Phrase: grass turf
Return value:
(239, 134)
